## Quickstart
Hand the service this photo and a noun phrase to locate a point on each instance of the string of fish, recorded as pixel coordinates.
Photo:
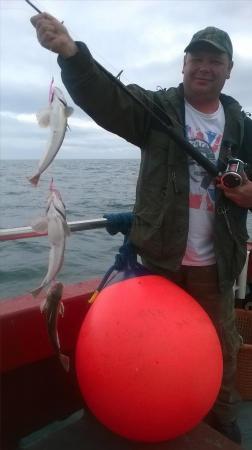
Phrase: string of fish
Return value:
(54, 222)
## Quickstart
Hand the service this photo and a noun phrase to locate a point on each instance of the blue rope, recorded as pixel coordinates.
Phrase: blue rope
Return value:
(119, 223)
(126, 259)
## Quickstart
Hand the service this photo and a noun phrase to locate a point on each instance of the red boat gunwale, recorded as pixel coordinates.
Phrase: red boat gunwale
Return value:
(23, 327)
(35, 388)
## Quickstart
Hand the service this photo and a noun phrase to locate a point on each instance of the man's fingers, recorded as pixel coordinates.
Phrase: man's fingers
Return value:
(34, 19)
(47, 27)
(46, 39)
(43, 18)
(53, 35)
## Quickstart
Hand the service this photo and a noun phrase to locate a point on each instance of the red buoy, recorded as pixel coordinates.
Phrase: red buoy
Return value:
(148, 359)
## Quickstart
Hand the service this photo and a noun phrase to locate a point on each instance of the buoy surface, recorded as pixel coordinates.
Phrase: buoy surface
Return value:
(148, 359)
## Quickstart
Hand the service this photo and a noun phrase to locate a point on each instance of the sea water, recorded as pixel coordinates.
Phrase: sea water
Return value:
(89, 188)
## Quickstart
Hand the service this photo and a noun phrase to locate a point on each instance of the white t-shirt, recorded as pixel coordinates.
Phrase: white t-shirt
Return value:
(205, 132)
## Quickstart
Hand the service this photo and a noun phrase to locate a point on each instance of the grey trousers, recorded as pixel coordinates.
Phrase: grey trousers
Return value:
(202, 284)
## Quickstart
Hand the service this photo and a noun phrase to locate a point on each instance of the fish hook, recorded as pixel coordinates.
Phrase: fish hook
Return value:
(119, 74)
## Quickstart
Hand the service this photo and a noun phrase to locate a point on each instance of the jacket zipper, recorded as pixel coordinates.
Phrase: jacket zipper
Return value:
(174, 182)
(223, 210)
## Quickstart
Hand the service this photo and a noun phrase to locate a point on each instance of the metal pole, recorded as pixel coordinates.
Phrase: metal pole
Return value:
(10, 234)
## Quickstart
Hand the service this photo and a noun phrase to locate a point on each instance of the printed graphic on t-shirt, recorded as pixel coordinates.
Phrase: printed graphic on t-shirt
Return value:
(205, 132)
(202, 189)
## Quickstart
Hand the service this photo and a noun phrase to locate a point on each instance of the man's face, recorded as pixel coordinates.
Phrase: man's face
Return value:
(205, 72)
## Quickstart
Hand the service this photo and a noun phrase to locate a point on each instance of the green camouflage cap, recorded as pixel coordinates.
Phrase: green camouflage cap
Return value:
(213, 36)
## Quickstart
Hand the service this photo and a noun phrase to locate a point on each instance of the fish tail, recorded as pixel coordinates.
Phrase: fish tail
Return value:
(36, 292)
(51, 187)
(65, 361)
(43, 306)
(34, 180)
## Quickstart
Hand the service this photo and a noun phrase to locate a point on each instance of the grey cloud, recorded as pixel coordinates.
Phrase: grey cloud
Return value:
(27, 141)
(240, 82)
(135, 36)
(161, 74)
(24, 97)
(21, 98)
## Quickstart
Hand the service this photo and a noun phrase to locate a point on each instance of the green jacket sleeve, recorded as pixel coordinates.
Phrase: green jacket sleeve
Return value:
(103, 100)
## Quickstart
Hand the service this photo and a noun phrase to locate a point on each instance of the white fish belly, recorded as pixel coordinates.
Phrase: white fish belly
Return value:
(58, 124)
(56, 236)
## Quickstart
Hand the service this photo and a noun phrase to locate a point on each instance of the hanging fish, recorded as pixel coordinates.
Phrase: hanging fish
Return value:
(54, 222)
(51, 309)
(54, 116)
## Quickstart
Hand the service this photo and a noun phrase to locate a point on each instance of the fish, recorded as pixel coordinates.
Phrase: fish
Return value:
(55, 224)
(55, 116)
(51, 308)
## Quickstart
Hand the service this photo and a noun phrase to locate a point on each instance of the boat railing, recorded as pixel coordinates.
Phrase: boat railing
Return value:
(10, 234)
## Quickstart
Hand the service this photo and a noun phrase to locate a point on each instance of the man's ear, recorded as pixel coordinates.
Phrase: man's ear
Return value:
(231, 64)
(184, 61)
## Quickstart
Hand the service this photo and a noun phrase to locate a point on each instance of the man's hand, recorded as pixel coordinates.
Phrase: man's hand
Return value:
(53, 35)
(241, 195)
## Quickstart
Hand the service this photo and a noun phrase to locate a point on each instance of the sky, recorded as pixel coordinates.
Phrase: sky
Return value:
(145, 39)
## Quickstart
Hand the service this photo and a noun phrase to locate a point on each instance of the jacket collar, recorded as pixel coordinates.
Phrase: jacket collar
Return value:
(234, 121)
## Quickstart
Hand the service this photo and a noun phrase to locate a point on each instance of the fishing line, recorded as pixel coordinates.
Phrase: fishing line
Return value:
(51, 53)
(164, 120)
(53, 65)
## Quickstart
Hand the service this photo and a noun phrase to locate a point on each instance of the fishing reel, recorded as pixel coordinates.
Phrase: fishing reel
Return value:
(234, 174)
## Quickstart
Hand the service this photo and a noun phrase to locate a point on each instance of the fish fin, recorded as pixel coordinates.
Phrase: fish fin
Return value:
(69, 111)
(43, 117)
(61, 309)
(40, 224)
(51, 187)
(34, 180)
(37, 291)
(57, 339)
(66, 229)
(65, 361)
(43, 306)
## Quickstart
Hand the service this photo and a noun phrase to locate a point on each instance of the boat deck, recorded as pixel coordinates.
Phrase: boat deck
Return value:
(80, 431)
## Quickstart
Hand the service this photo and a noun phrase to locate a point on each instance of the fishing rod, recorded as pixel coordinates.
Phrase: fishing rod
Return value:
(187, 147)
(33, 6)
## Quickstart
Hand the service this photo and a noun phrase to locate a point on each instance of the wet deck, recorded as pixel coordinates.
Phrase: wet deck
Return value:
(81, 432)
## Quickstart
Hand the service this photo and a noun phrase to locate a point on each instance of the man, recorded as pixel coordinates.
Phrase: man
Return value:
(187, 226)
